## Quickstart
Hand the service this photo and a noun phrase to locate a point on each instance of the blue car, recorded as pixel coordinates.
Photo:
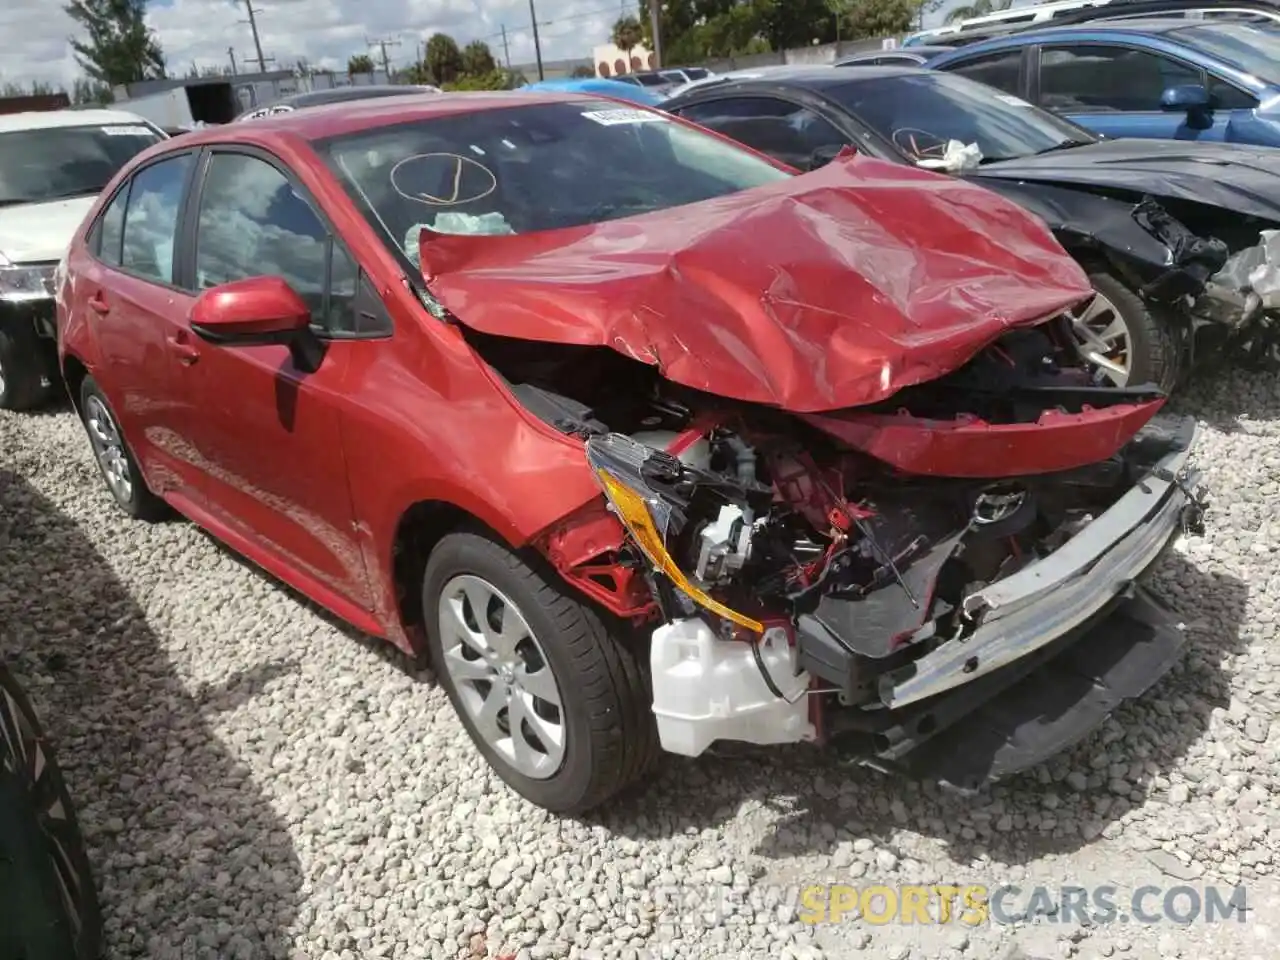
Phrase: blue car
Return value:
(1150, 78)
(597, 85)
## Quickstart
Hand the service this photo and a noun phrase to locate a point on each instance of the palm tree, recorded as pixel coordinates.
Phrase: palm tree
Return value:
(627, 35)
(979, 8)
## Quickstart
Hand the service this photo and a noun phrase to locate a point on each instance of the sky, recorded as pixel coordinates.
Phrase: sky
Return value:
(325, 32)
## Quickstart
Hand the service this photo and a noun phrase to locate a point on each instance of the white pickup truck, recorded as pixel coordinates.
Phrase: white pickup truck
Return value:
(52, 166)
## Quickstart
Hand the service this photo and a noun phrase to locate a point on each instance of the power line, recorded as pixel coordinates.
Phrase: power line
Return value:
(257, 43)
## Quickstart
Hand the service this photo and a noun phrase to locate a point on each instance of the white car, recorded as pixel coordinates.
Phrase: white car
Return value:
(52, 166)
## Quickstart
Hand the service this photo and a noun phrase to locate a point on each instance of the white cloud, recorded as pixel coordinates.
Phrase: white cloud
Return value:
(324, 32)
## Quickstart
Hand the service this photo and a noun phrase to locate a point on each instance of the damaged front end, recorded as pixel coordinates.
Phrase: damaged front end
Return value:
(828, 578)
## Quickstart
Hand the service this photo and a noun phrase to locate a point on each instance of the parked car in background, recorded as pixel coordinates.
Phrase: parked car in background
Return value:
(1166, 79)
(52, 165)
(645, 440)
(318, 98)
(1095, 195)
(1034, 16)
(48, 899)
(597, 85)
(661, 82)
(899, 57)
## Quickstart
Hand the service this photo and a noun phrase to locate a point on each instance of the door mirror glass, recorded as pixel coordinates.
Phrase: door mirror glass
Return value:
(1185, 97)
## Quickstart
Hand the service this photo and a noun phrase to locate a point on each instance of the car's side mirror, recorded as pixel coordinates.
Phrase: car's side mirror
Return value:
(258, 311)
(1186, 97)
(825, 154)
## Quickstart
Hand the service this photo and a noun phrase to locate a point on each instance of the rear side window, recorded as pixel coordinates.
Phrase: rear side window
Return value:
(111, 229)
(1101, 79)
(151, 218)
(1000, 70)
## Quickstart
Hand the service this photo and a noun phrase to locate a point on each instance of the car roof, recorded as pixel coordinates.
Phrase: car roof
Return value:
(808, 77)
(51, 119)
(1138, 25)
(353, 116)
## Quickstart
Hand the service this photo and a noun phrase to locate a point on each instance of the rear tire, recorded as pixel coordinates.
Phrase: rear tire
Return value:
(116, 463)
(609, 737)
(49, 907)
(22, 369)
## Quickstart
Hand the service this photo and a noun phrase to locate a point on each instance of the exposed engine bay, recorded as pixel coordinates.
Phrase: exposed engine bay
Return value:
(822, 570)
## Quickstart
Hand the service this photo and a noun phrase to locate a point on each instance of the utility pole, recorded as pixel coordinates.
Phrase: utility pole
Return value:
(537, 47)
(655, 19)
(506, 49)
(386, 61)
(231, 52)
(257, 42)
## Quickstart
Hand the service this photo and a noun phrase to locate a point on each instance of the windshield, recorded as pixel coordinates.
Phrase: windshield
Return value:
(523, 169)
(54, 163)
(1254, 50)
(920, 113)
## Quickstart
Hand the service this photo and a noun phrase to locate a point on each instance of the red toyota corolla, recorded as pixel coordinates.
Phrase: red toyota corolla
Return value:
(646, 441)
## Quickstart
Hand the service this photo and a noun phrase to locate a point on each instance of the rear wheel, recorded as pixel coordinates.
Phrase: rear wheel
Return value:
(49, 908)
(114, 458)
(552, 697)
(1123, 341)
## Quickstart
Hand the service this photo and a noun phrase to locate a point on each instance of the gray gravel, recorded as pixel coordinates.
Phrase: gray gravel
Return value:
(256, 781)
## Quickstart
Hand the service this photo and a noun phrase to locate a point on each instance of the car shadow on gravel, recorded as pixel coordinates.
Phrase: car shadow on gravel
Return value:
(801, 801)
(190, 857)
(1215, 398)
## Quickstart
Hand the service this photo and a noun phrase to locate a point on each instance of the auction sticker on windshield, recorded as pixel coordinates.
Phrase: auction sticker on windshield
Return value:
(610, 118)
(121, 130)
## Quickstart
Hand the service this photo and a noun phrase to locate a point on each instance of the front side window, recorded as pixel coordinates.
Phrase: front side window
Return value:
(524, 169)
(921, 113)
(151, 218)
(56, 163)
(1101, 79)
(784, 130)
(252, 223)
(1000, 70)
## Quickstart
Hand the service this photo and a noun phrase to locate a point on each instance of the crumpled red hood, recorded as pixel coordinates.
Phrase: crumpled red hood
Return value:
(827, 290)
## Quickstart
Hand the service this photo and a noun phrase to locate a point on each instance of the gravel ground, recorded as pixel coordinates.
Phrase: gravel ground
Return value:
(257, 781)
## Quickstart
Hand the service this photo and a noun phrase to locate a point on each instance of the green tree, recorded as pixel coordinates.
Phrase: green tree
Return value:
(85, 91)
(880, 18)
(627, 34)
(582, 72)
(979, 8)
(360, 63)
(477, 59)
(443, 59)
(120, 48)
(493, 80)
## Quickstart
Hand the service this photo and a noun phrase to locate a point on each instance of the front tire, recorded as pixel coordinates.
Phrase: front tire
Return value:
(115, 460)
(552, 697)
(1124, 342)
(49, 908)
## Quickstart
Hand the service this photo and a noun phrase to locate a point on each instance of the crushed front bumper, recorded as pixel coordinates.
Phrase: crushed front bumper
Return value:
(1057, 619)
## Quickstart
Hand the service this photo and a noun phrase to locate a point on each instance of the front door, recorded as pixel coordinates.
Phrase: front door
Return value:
(270, 434)
(1116, 91)
(129, 295)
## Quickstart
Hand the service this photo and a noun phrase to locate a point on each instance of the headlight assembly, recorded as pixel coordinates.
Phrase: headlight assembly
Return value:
(20, 283)
(626, 469)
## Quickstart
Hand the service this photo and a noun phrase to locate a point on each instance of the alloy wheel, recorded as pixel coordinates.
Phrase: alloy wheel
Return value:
(502, 676)
(1104, 341)
(108, 447)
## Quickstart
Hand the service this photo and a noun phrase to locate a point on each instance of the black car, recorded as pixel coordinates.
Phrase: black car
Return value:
(897, 57)
(48, 902)
(1169, 232)
(318, 98)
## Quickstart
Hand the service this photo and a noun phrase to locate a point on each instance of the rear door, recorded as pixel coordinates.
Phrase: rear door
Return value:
(269, 433)
(132, 297)
(1115, 89)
